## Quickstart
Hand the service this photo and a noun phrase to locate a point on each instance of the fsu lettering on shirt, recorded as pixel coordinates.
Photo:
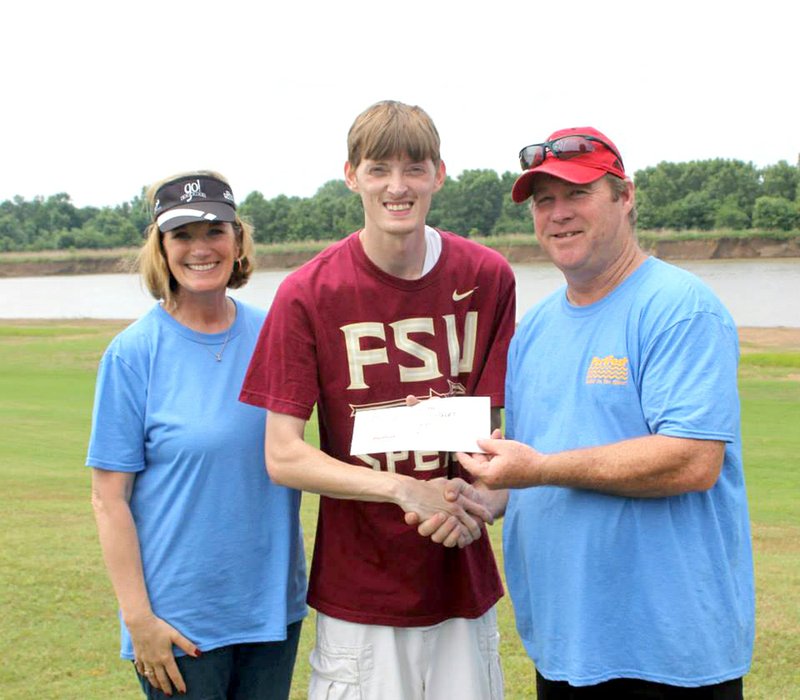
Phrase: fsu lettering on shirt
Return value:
(344, 335)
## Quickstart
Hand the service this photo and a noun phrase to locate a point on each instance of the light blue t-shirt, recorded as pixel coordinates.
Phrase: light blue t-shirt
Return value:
(221, 545)
(604, 587)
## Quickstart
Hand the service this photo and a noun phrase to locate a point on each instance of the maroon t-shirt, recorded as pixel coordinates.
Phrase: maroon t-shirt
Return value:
(345, 335)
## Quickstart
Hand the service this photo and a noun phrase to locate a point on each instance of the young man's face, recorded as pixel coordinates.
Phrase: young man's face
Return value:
(396, 192)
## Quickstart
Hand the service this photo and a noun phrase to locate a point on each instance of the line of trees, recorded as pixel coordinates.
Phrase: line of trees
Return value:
(703, 195)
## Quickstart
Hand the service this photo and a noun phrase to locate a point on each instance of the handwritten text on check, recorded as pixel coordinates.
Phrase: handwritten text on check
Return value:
(452, 424)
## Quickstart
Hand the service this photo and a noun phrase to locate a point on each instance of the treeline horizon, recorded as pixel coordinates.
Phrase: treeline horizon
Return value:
(698, 195)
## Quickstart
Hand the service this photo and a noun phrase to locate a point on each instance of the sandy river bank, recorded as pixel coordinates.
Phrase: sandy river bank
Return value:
(87, 262)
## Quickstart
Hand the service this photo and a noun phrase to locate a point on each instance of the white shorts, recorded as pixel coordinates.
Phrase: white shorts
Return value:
(457, 658)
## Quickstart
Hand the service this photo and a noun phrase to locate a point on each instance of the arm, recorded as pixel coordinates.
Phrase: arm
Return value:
(152, 637)
(645, 467)
(293, 462)
(496, 499)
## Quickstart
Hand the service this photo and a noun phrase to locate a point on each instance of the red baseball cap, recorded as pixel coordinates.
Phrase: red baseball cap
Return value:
(585, 167)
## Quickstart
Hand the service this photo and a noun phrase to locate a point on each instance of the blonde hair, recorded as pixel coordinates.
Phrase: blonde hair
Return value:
(151, 262)
(392, 128)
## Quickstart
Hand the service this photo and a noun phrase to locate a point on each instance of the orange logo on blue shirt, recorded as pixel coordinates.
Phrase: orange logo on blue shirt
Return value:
(608, 370)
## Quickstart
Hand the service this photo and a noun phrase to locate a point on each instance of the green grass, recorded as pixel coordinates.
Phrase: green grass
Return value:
(68, 254)
(501, 242)
(782, 360)
(652, 235)
(58, 629)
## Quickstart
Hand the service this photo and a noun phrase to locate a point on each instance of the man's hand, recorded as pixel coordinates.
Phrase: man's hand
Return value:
(445, 530)
(506, 463)
(445, 527)
(460, 516)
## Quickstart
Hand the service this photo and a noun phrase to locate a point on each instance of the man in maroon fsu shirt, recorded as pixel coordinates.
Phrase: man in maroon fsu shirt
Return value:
(395, 309)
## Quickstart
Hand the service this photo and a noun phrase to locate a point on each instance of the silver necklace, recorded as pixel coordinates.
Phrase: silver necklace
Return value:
(218, 355)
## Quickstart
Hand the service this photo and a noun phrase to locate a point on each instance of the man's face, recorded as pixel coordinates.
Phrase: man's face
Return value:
(582, 228)
(396, 192)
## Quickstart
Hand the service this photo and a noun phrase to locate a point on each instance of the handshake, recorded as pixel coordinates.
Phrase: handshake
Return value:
(451, 512)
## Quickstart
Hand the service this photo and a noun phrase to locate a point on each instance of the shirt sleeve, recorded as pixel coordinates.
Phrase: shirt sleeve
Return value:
(493, 372)
(689, 380)
(510, 384)
(282, 374)
(118, 417)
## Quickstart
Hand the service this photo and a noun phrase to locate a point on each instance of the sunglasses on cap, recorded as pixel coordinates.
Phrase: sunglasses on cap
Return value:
(563, 148)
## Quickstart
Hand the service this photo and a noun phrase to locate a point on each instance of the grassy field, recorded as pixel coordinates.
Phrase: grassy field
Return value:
(58, 630)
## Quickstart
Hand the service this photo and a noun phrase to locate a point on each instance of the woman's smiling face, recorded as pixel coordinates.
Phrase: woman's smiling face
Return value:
(200, 256)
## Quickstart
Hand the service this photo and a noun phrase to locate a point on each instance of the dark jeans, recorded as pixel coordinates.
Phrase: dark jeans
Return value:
(635, 689)
(260, 671)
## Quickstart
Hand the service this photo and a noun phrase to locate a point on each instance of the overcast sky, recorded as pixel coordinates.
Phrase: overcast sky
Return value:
(101, 98)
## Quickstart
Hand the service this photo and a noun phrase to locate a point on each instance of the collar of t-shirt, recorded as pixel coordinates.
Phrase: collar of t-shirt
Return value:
(433, 249)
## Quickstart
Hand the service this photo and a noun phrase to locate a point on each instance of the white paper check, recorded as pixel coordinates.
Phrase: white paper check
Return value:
(452, 424)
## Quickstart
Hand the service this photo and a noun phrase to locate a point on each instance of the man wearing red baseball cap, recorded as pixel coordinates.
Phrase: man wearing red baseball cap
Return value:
(627, 542)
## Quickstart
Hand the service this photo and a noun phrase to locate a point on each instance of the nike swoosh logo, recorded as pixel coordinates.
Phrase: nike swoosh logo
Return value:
(458, 296)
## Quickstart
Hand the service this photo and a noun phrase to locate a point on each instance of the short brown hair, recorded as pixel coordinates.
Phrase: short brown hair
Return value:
(151, 261)
(618, 187)
(392, 128)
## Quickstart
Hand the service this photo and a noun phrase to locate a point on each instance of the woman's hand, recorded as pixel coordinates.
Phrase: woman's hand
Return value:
(152, 640)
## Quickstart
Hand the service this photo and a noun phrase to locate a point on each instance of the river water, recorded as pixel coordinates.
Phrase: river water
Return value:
(757, 292)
